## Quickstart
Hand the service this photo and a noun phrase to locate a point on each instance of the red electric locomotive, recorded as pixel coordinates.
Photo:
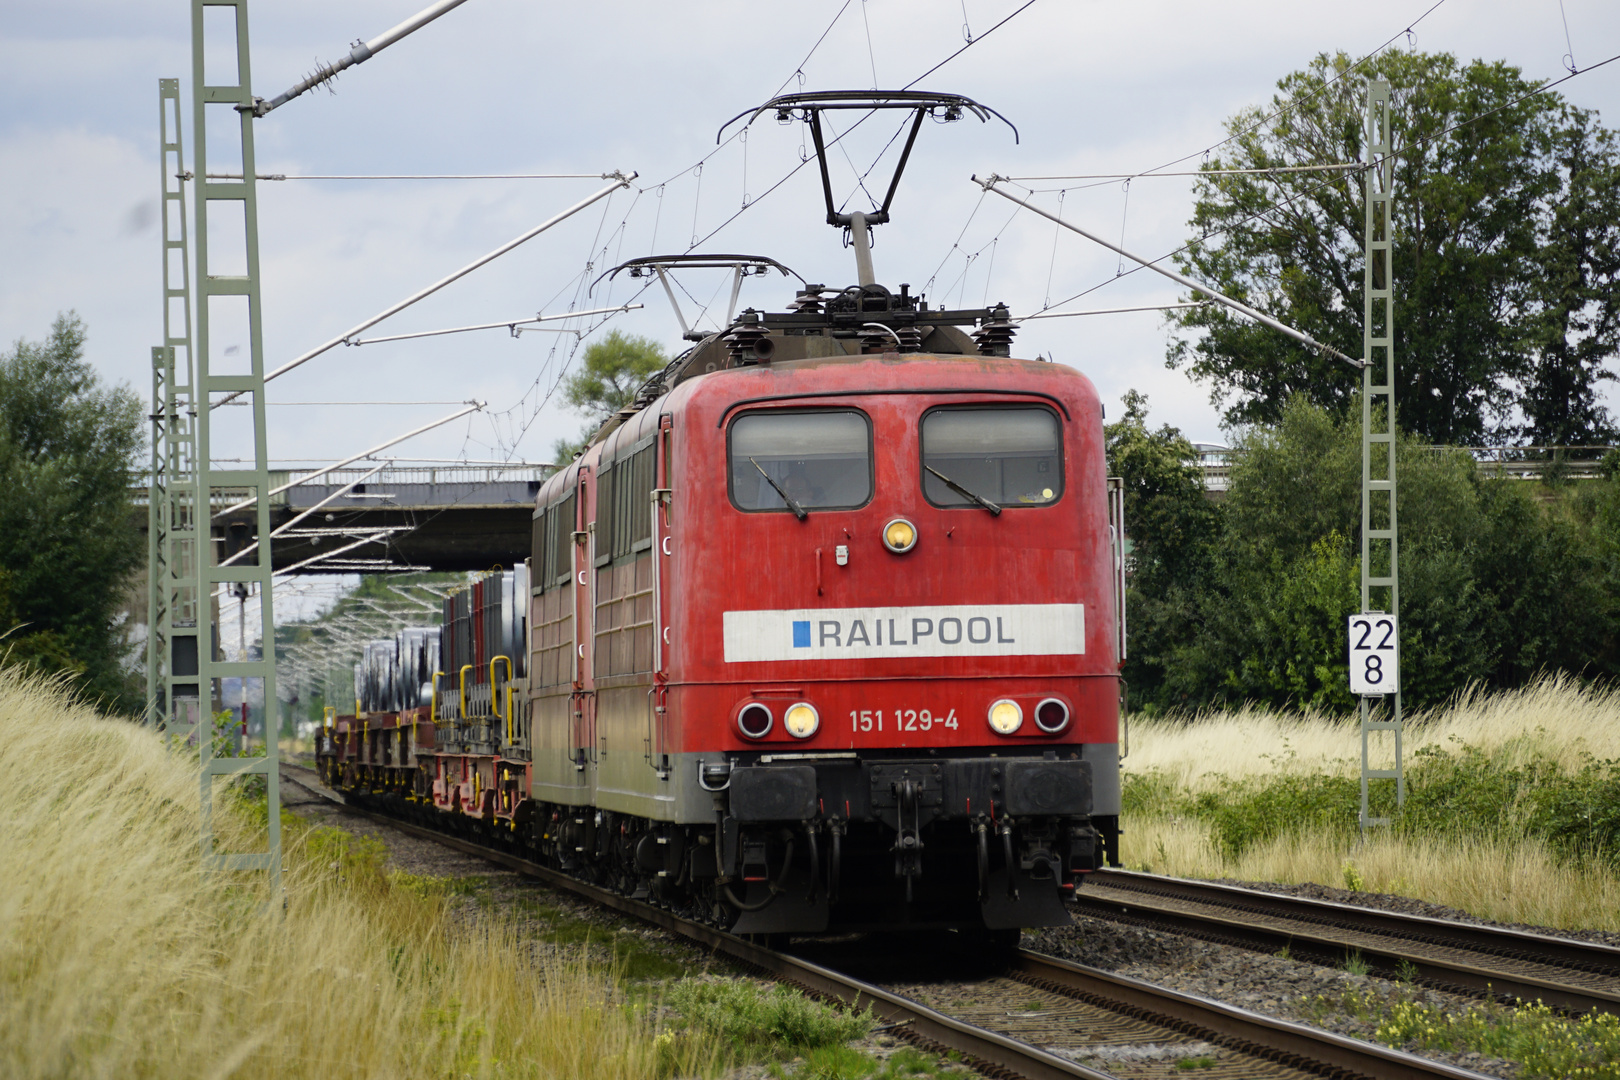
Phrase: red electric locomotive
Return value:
(823, 632)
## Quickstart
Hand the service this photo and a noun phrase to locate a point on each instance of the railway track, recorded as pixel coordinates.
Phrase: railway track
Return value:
(1484, 961)
(1095, 1008)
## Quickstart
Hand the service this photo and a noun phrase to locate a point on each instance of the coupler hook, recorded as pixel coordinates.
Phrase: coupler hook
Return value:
(811, 828)
(1007, 853)
(982, 832)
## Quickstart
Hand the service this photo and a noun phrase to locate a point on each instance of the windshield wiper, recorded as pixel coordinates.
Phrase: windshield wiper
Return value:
(798, 511)
(977, 500)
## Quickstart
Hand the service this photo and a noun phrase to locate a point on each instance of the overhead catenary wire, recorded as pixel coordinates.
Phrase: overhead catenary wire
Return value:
(416, 176)
(870, 55)
(797, 72)
(794, 171)
(497, 465)
(1294, 103)
(1181, 279)
(1336, 167)
(623, 181)
(1112, 311)
(244, 404)
(972, 42)
(695, 169)
(375, 538)
(1157, 170)
(1401, 153)
(510, 324)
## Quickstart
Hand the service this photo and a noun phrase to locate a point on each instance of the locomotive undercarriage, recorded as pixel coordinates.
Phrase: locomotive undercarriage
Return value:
(802, 848)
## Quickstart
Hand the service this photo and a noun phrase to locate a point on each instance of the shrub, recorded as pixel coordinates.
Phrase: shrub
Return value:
(747, 1015)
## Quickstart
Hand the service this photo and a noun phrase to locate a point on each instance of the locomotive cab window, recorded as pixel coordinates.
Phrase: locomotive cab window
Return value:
(1006, 456)
(822, 460)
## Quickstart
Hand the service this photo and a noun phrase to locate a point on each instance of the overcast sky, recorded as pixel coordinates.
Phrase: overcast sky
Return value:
(502, 87)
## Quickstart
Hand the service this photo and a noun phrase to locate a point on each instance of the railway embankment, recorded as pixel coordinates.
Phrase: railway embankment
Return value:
(396, 955)
(1338, 996)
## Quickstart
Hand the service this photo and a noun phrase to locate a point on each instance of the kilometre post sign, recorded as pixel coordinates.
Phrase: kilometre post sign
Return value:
(1374, 654)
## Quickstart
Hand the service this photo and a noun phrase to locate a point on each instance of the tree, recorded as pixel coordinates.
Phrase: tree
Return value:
(1171, 528)
(614, 369)
(1286, 569)
(1506, 253)
(68, 539)
(1575, 322)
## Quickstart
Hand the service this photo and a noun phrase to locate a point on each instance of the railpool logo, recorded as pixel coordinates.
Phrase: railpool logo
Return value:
(879, 632)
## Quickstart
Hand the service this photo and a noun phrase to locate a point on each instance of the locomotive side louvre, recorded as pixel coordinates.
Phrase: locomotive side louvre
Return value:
(563, 749)
(629, 723)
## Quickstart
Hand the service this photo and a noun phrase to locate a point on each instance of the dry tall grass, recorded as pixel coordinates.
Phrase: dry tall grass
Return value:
(1248, 741)
(1511, 879)
(118, 958)
(1508, 880)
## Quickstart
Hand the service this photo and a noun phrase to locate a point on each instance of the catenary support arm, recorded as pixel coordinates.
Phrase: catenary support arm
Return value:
(1238, 306)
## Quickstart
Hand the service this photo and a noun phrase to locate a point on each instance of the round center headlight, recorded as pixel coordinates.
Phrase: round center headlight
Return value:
(801, 720)
(1006, 717)
(899, 536)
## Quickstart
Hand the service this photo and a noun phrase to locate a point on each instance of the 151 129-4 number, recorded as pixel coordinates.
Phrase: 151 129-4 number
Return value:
(899, 720)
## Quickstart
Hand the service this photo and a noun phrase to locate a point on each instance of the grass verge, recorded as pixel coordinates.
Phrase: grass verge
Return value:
(1512, 810)
(118, 958)
(1544, 1044)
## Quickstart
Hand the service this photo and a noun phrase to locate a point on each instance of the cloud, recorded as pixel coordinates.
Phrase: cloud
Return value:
(502, 88)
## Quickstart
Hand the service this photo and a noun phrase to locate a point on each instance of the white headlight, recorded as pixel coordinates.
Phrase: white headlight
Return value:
(1006, 717)
(801, 720)
(899, 536)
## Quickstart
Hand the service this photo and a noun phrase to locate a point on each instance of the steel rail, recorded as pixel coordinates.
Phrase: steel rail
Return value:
(1279, 1041)
(1308, 924)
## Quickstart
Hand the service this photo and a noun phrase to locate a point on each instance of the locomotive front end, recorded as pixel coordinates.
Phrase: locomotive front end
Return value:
(902, 673)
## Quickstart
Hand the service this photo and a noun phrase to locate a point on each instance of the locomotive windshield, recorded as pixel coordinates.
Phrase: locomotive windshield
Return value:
(820, 460)
(1009, 456)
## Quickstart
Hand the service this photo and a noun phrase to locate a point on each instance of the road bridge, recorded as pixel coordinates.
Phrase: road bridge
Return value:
(1532, 463)
(442, 517)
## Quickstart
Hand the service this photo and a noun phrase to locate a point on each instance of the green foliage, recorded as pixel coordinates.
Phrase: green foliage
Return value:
(1500, 579)
(838, 1062)
(1506, 252)
(635, 958)
(1544, 1044)
(1169, 523)
(1511, 792)
(68, 539)
(1467, 790)
(1246, 813)
(612, 370)
(1290, 569)
(748, 1016)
